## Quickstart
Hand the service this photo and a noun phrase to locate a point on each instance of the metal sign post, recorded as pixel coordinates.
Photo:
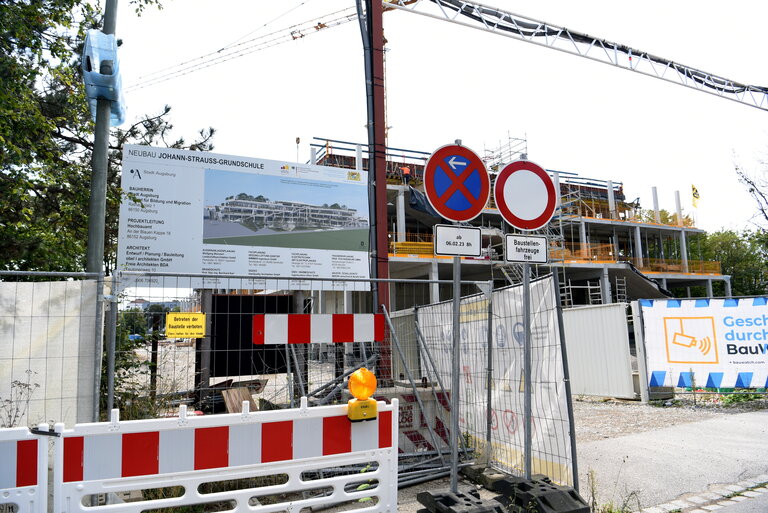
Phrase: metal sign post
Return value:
(457, 186)
(455, 382)
(527, 368)
(526, 199)
(457, 241)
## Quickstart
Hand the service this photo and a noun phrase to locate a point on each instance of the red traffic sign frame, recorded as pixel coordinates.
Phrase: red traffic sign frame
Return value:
(525, 195)
(456, 183)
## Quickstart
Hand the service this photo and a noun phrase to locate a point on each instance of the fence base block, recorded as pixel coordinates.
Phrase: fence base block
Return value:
(461, 502)
(539, 495)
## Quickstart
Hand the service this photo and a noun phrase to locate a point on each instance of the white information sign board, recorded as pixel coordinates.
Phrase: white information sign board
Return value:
(216, 214)
(457, 240)
(526, 248)
(710, 343)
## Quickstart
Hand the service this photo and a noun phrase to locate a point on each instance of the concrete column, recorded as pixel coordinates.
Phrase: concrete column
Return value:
(684, 250)
(359, 158)
(583, 240)
(709, 288)
(664, 283)
(656, 214)
(559, 197)
(638, 248)
(605, 287)
(434, 288)
(678, 209)
(728, 286)
(400, 207)
(313, 156)
(611, 201)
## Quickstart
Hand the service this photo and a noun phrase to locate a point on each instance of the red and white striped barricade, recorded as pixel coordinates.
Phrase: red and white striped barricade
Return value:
(273, 329)
(23, 471)
(320, 457)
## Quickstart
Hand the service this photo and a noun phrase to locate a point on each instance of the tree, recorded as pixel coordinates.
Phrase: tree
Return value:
(46, 137)
(757, 188)
(665, 217)
(742, 256)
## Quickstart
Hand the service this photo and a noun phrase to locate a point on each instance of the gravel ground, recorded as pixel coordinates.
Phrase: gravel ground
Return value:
(598, 418)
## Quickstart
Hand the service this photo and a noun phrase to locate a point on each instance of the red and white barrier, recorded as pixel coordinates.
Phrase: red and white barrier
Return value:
(322, 328)
(23, 470)
(116, 456)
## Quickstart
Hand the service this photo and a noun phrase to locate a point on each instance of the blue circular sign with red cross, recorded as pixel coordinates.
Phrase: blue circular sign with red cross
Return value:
(456, 183)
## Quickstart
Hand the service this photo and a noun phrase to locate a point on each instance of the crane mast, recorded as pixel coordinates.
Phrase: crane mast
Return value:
(524, 28)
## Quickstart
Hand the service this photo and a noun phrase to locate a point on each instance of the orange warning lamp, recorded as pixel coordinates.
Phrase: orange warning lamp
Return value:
(362, 385)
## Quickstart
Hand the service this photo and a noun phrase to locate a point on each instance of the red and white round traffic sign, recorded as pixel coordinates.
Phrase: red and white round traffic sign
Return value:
(456, 183)
(525, 195)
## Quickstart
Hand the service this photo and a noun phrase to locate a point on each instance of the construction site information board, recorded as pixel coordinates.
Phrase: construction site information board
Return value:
(207, 213)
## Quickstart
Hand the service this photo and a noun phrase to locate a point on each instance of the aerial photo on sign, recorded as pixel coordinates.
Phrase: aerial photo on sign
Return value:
(204, 213)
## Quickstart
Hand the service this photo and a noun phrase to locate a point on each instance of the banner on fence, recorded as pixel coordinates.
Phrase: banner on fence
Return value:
(47, 351)
(712, 343)
(551, 446)
(193, 212)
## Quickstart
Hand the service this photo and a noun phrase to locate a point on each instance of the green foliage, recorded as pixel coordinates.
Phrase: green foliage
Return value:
(742, 256)
(247, 197)
(666, 217)
(739, 398)
(133, 321)
(46, 137)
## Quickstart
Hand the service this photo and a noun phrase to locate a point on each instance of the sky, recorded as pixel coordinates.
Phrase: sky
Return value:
(446, 82)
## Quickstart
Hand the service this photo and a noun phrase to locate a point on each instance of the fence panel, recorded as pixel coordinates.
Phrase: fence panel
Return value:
(48, 350)
(23, 471)
(259, 462)
(598, 351)
(491, 388)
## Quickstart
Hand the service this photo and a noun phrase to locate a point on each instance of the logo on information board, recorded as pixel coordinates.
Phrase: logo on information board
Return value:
(690, 339)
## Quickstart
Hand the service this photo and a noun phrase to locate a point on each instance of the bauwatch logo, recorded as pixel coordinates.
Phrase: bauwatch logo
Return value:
(690, 339)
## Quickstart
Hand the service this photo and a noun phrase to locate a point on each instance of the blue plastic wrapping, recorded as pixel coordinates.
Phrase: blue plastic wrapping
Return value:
(99, 51)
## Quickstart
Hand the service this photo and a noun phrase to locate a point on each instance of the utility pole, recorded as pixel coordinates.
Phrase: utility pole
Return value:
(97, 203)
(377, 164)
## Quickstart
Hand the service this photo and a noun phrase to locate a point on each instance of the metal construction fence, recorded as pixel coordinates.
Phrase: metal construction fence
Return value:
(149, 372)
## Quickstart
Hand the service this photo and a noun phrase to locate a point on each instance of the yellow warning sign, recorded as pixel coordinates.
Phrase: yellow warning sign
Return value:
(184, 325)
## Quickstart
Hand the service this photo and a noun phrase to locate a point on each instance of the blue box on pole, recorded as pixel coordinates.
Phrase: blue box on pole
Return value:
(101, 74)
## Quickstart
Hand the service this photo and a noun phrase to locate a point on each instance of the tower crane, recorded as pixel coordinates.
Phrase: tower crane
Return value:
(523, 28)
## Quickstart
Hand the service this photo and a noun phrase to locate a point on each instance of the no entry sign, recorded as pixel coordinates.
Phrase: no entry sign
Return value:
(525, 195)
(456, 183)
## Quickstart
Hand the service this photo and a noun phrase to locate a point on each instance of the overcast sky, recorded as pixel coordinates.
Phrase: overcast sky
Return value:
(446, 82)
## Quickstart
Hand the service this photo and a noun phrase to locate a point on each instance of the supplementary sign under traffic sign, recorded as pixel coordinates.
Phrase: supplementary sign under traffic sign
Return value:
(525, 195)
(525, 248)
(456, 183)
(457, 240)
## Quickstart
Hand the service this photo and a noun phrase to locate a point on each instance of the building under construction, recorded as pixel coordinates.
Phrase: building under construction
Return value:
(604, 246)
(284, 215)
